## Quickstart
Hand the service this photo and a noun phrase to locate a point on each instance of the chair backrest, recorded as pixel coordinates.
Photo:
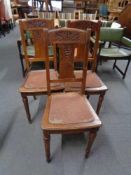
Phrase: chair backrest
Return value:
(95, 31)
(111, 34)
(68, 41)
(26, 25)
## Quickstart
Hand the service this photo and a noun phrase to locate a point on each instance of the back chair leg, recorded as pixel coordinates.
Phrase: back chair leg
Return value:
(26, 105)
(123, 73)
(126, 69)
(114, 64)
(92, 136)
(100, 101)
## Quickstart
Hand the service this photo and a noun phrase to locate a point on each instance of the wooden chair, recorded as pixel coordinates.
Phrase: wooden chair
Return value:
(35, 81)
(94, 85)
(25, 41)
(69, 112)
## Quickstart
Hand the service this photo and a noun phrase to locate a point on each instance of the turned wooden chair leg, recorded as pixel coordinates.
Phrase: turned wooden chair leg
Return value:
(100, 100)
(92, 136)
(26, 105)
(46, 136)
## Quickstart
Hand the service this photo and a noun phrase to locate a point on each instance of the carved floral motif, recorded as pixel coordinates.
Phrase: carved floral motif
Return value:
(68, 35)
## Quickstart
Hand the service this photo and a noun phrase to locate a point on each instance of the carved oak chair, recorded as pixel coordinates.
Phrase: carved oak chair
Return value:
(69, 112)
(35, 81)
(94, 85)
(25, 40)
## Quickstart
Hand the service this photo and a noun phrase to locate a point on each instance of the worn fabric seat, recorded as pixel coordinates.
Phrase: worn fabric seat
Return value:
(92, 81)
(115, 52)
(36, 81)
(80, 114)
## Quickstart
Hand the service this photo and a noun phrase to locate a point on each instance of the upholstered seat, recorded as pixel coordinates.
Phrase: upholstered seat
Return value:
(92, 79)
(36, 81)
(115, 52)
(78, 115)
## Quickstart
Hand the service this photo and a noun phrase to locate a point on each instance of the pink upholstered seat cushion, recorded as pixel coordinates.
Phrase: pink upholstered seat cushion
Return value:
(37, 79)
(70, 108)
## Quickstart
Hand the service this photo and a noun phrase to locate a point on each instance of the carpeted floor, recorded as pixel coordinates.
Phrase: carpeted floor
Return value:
(21, 144)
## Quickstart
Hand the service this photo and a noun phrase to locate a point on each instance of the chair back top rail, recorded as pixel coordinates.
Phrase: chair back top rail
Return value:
(36, 22)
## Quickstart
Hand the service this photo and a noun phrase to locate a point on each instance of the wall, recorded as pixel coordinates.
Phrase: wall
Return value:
(5, 9)
(2, 9)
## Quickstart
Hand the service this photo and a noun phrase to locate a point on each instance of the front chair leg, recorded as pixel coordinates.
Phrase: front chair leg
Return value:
(26, 105)
(92, 136)
(101, 98)
(46, 136)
